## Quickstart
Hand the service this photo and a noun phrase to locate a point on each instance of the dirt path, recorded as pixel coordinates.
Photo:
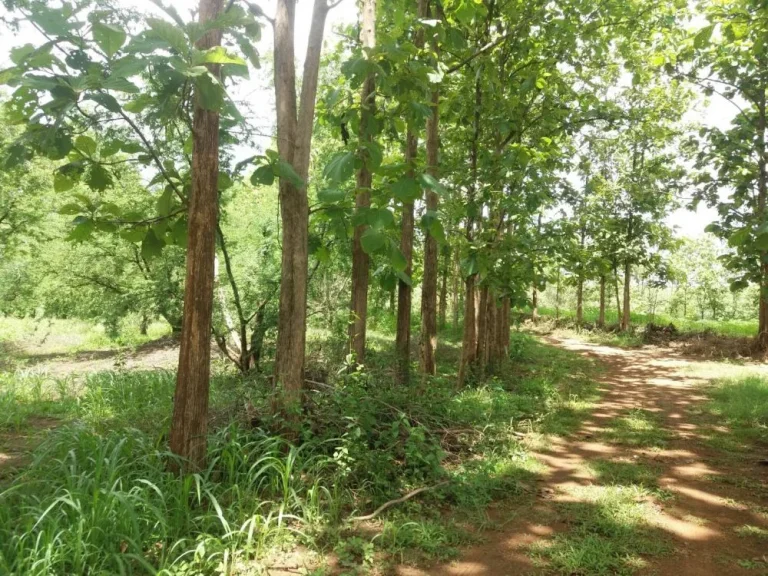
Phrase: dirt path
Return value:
(704, 494)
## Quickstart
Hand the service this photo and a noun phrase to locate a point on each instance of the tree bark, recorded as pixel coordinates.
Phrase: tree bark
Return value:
(535, 305)
(429, 282)
(404, 291)
(443, 314)
(601, 314)
(481, 353)
(361, 260)
(455, 291)
(762, 194)
(627, 281)
(616, 289)
(189, 425)
(294, 137)
(469, 336)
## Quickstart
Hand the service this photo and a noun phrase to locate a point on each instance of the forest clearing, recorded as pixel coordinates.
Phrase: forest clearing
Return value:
(386, 287)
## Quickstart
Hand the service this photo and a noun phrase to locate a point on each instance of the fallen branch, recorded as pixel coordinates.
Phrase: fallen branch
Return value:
(400, 500)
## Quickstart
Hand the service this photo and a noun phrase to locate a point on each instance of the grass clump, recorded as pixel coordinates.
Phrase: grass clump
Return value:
(98, 496)
(636, 427)
(749, 531)
(611, 533)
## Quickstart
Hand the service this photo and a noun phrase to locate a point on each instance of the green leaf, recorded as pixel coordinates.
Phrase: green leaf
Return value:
(8, 75)
(83, 229)
(397, 259)
(71, 209)
(165, 202)
(151, 246)
(374, 155)
(285, 171)
(340, 168)
(225, 182)
(404, 278)
(128, 66)
(110, 148)
(179, 232)
(437, 231)
(331, 195)
(703, 36)
(406, 190)
(217, 55)
(98, 178)
(86, 144)
(120, 85)
(429, 181)
(168, 33)
(210, 92)
(739, 237)
(372, 240)
(107, 100)
(62, 183)
(109, 38)
(380, 218)
(263, 175)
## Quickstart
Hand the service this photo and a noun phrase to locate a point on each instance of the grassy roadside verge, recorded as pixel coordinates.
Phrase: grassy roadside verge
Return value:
(96, 493)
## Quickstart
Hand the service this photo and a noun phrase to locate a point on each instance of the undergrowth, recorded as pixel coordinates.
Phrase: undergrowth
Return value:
(97, 496)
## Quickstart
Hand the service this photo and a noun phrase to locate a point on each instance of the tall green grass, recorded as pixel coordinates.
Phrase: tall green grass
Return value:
(98, 497)
(733, 328)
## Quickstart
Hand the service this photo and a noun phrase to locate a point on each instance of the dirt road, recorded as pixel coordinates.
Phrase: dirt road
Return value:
(703, 496)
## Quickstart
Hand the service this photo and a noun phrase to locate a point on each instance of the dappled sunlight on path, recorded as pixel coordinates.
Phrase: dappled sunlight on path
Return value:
(645, 424)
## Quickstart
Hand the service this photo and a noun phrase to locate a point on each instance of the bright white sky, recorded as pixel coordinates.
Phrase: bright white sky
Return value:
(258, 92)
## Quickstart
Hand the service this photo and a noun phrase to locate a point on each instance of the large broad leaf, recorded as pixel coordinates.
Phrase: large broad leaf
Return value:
(210, 92)
(218, 55)
(380, 218)
(331, 195)
(98, 178)
(372, 240)
(739, 237)
(285, 171)
(109, 38)
(397, 259)
(429, 181)
(128, 66)
(374, 155)
(62, 183)
(168, 33)
(82, 230)
(9, 74)
(341, 167)
(107, 100)
(263, 175)
(406, 190)
(151, 246)
(86, 144)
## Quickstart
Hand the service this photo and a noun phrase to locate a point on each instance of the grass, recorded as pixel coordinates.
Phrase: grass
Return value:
(737, 413)
(611, 533)
(637, 428)
(97, 496)
(733, 328)
(749, 531)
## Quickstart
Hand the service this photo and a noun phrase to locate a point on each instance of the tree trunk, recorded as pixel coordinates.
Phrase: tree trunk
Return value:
(189, 426)
(505, 327)
(601, 314)
(762, 194)
(557, 295)
(443, 314)
(616, 289)
(294, 138)
(469, 337)
(429, 283)
(627, 281)
(535, 305)
(361, 260)
(580, 301)
(481, 352)
(143, 324)
(455, 291)
(404, 293)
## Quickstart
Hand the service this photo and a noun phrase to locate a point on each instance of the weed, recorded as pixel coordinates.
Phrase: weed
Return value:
(752, 531)
(636, 427)
(611, 533)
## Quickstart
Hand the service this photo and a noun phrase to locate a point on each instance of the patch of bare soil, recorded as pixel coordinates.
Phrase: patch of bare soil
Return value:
(158, 354)
(702, 517)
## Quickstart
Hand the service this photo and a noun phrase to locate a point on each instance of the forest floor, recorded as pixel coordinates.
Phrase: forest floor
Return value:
(701, 494)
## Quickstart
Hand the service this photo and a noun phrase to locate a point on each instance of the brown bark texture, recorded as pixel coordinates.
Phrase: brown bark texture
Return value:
(189, 424)
(404, 291)
(429, 282)
(361, 260)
